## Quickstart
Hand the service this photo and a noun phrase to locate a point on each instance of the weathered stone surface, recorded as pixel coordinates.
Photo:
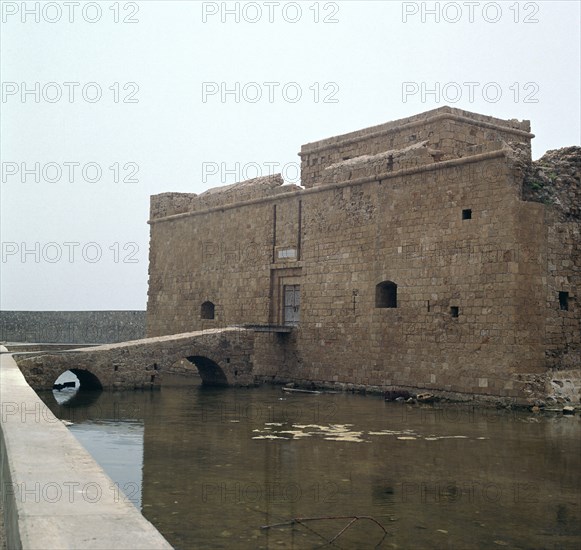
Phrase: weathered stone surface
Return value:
(452, 132)
(555, 179)
(410, 157)
(553, 386)
(222, 356)
(170, 204)
(74, 327)
(433, 203)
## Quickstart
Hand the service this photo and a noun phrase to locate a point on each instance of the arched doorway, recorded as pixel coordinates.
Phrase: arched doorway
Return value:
(211, 373)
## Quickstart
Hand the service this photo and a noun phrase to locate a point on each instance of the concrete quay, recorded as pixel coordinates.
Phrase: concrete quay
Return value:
(53, 493)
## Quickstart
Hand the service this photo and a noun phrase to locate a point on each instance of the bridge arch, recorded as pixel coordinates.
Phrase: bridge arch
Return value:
(87, 380)
(86, 389)
(221, 356)
(211, 373)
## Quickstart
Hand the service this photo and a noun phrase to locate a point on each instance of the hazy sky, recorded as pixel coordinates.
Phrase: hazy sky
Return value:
(106, 103)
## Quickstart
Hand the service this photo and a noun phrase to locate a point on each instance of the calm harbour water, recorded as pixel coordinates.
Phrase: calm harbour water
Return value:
(210, 467)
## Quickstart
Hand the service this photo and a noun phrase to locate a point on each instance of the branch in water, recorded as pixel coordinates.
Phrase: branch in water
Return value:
(331, 541)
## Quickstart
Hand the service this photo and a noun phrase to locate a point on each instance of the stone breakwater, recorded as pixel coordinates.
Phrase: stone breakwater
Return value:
(71, 327)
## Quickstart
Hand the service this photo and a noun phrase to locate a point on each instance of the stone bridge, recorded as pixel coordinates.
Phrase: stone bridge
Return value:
(222, 356)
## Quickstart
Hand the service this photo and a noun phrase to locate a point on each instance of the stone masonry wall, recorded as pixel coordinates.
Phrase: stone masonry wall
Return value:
(169, 204)
(221, 356)
(555, 181)
(450, 132)
(441, 215)
(410, 230)
(71, 327)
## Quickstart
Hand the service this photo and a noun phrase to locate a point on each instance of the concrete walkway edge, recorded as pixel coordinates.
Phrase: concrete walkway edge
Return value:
(53, 492)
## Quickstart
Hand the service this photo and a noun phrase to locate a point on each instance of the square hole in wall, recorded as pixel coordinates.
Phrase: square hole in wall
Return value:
(467, 214)
(564, 301)
(454, 311)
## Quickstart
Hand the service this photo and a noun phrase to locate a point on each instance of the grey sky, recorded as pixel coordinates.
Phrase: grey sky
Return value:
(162, 113)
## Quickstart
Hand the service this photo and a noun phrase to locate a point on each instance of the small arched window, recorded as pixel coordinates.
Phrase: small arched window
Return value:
(386, 294)
(207, 310)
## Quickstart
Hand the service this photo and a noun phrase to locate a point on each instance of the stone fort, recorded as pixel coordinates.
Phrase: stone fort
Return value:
(428, 253)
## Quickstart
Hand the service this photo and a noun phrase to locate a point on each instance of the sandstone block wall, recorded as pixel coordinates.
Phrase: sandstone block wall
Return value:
(450, 132)
(555, 181)
(434, 204)
(170, 204)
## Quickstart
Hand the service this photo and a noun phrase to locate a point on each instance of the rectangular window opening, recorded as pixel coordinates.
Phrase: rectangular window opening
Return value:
(564, 301)
(454, 311)
(467, 214)
(386, 295)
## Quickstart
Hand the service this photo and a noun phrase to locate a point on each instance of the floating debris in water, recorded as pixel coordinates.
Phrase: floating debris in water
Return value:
(393, 432)
(438, 437)
(297, 434)
(303, 426)
(341, 432)
(332, 432)
(354, 437)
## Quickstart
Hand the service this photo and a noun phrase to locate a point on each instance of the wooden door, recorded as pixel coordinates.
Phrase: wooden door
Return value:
(292, 304)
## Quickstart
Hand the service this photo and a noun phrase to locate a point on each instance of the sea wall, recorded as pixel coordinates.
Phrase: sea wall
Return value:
(71, 327)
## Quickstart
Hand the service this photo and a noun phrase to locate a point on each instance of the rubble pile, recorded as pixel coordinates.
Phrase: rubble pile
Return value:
(556, 179)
